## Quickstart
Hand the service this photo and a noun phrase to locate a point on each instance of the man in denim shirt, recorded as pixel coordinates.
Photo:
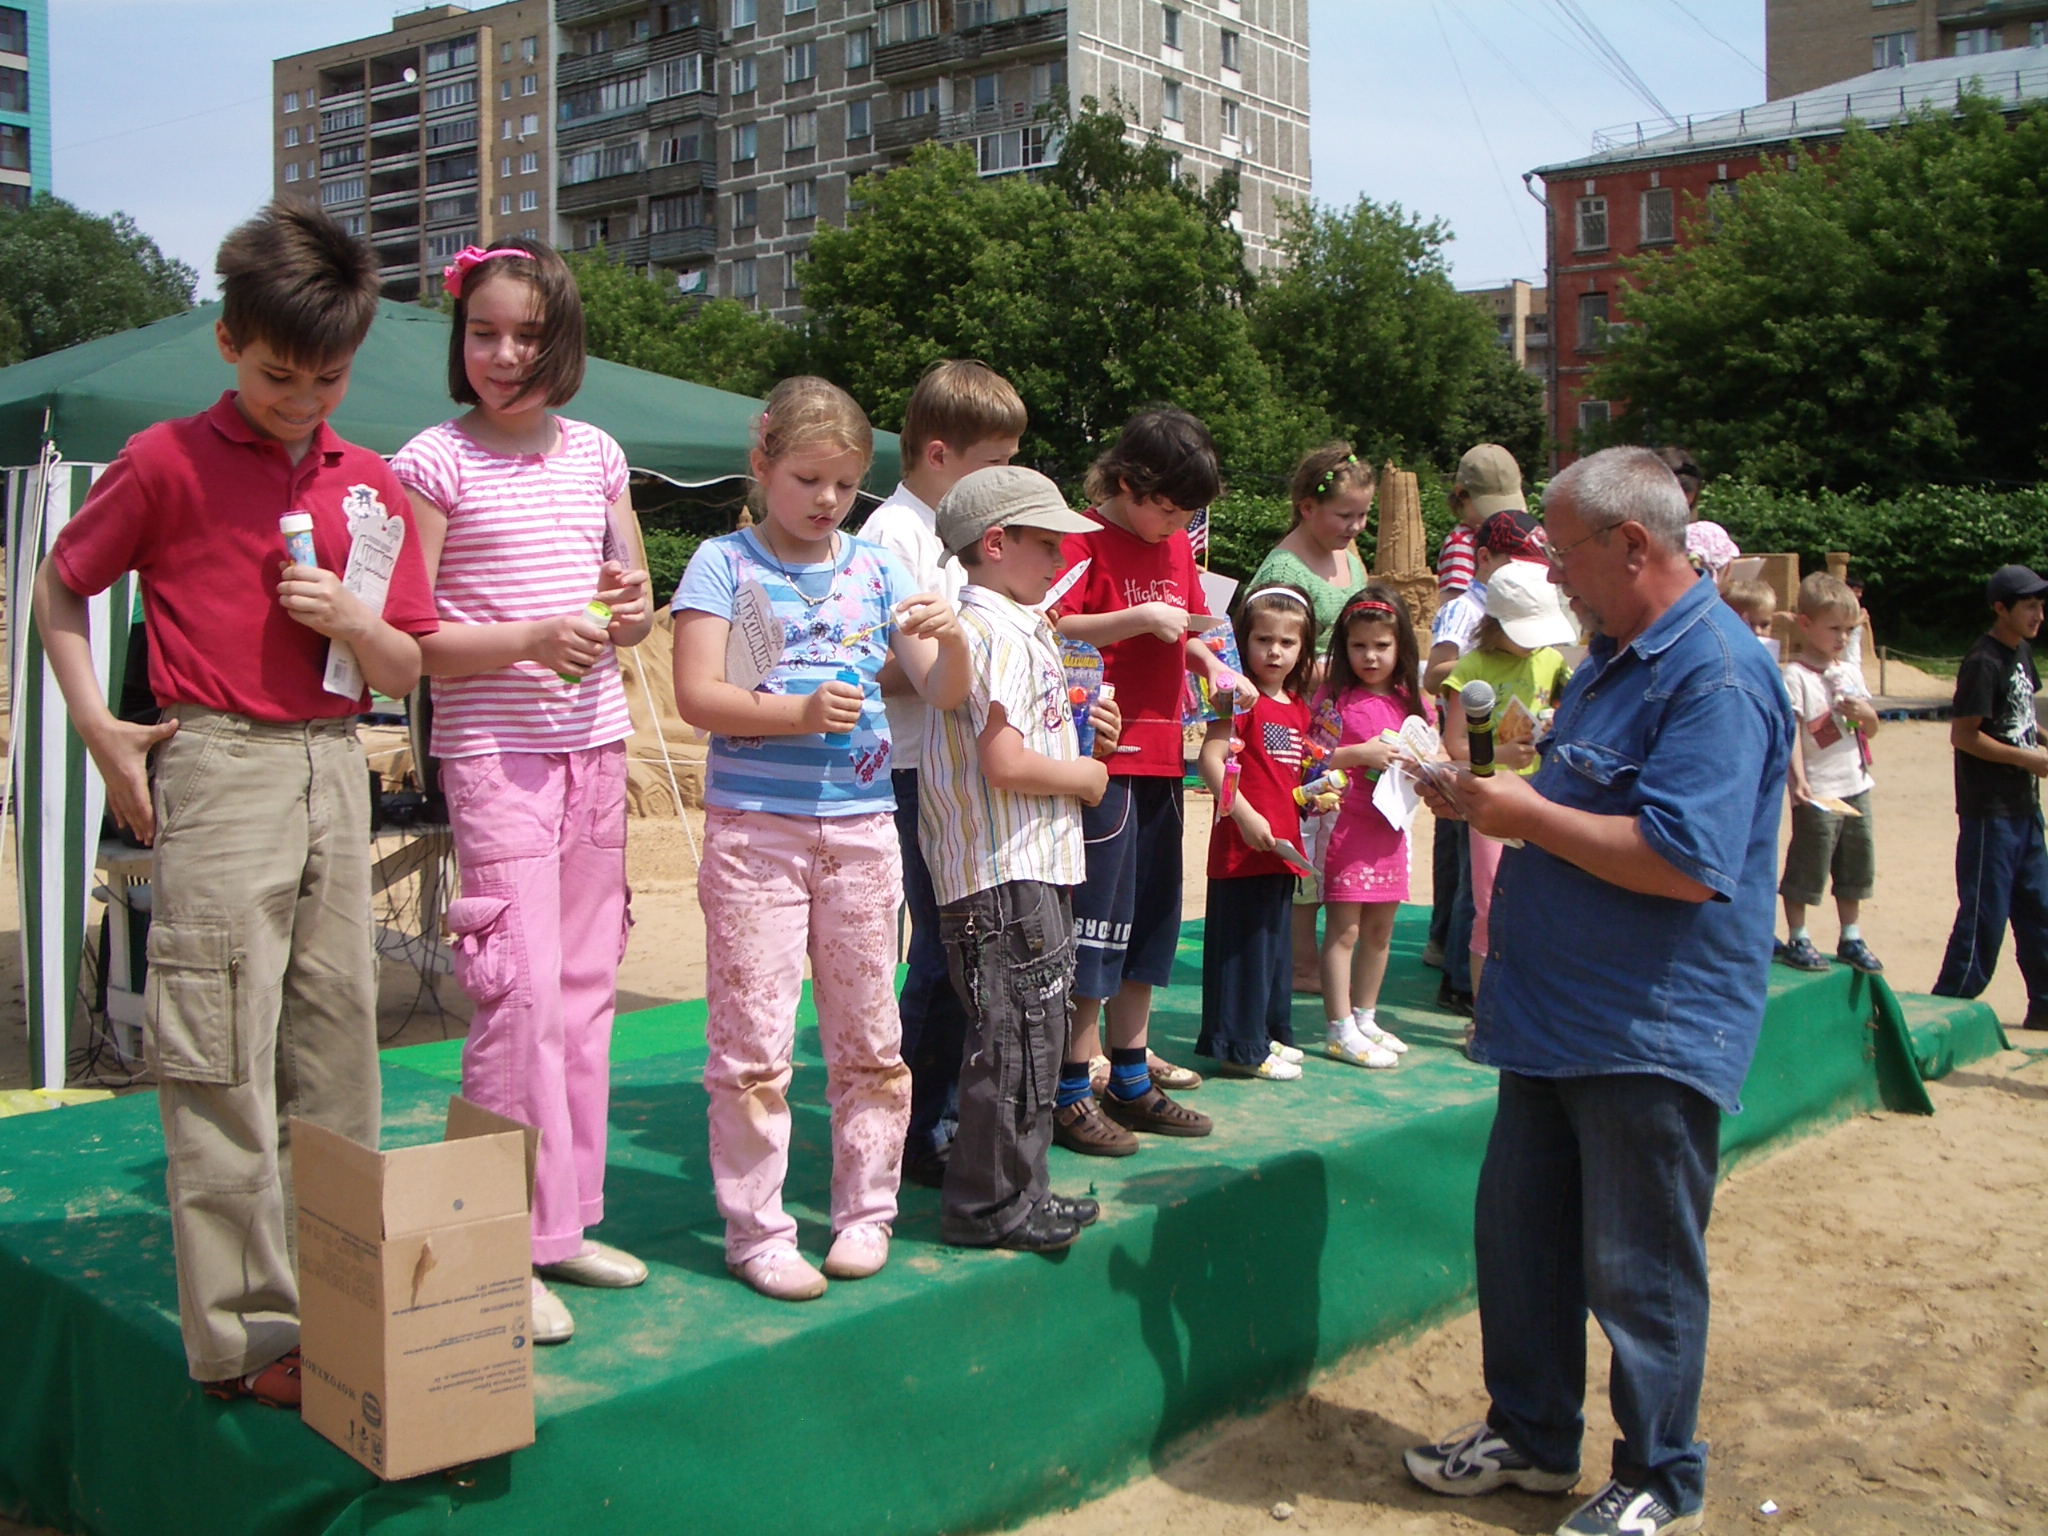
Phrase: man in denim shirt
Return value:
(1621, 1002)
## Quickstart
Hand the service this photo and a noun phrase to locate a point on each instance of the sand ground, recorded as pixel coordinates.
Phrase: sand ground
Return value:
(1877, 1356)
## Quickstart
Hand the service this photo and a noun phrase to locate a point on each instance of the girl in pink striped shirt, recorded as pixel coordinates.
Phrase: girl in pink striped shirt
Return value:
(524, 518)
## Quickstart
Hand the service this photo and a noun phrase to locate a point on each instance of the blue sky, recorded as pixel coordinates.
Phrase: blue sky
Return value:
(1438, 105)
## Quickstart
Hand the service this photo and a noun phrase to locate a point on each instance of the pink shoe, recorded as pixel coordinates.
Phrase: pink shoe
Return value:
(781, 1274)
(858, 1251)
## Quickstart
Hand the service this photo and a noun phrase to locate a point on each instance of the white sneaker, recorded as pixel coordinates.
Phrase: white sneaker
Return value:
(1353, 1048)
(598, 1265)
(781, 1274)
(1385, 1039)
(1286, 1053)
(858, 1252)
(552, 1323)
(1274, 1069)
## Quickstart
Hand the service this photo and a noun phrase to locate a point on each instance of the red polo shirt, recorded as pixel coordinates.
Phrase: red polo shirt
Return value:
(192, 507)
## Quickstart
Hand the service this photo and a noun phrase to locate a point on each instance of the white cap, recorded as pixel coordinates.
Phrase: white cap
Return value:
(295, 522)
(1528, 608)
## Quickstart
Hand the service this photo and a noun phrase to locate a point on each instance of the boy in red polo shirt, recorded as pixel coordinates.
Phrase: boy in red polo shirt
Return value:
(1133, 604)
(262, 992)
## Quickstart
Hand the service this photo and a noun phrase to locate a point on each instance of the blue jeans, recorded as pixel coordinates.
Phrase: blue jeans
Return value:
(1458, 938)
(1443, 882)
(1595, 1194)
(934, 1022)
(2001, 877)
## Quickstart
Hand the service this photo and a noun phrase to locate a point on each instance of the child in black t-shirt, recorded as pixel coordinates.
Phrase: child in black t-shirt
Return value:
(2001, 861)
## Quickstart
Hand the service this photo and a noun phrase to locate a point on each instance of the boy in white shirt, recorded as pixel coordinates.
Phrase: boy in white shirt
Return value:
(1832, 835)
(962, 416)
(1000, 817)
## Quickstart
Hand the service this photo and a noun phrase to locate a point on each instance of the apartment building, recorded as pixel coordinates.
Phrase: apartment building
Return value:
(1521, 318)
(1809, 43)
(709, 138)
(24, 102)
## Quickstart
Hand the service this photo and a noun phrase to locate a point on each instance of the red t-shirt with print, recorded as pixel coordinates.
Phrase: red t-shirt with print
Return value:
(1148, 673)
(1269, 769)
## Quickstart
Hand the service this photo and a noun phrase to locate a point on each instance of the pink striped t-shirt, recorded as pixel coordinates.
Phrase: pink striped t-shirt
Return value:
(526, 536)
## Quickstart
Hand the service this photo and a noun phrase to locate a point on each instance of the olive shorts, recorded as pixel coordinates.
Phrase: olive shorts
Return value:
(1825, 845)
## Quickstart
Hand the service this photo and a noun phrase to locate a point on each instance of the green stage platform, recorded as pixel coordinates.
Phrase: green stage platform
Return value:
(955, 1391)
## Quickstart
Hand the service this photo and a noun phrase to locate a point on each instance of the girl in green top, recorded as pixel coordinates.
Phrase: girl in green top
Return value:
(1332, 494)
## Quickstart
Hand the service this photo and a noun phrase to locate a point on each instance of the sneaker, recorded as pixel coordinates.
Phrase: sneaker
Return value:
(1465, 1043)
(781, 1274)
(1166, 1075)
(1082, 1127)
(1274, 1069)
(2037, 1017)
(552, 1323)
(1286, 1053)
(1355, 1050)
(1433, 955)
(1475, 1460)
(1619, 1510)
(1385, 1039)
(598, 1265)
(1156, 1113)
(1800, 955)
(1043, 1230)
(1451, 1000)
(1856, 953)
(276, 1385)
(858, 1251)
(1077, 1209)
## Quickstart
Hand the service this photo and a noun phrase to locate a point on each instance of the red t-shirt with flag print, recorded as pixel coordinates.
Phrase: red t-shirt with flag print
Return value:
(1147, 672)
(1275, 737)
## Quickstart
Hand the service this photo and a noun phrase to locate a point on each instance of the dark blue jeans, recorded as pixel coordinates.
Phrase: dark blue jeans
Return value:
(2001, 877)
(934, 1022)
(1443, 882)
(1595, 1194)
(1458, 938)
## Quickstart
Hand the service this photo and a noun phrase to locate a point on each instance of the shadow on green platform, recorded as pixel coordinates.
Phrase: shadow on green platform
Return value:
(953, 1391)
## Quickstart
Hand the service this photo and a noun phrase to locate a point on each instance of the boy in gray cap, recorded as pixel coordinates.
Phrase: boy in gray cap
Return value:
(999, 821)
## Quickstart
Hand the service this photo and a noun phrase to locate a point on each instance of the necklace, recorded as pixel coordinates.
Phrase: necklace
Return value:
(790, 576)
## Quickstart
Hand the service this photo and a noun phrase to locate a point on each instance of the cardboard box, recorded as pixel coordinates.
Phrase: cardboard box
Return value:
(415, 1309)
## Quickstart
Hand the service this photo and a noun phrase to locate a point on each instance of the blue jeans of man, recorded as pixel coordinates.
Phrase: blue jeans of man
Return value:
(934, 1022)
(2001, 877)
(1458, 936)
(1595, 1193)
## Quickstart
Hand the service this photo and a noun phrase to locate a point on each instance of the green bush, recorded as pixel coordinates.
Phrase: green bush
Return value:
(668, 554)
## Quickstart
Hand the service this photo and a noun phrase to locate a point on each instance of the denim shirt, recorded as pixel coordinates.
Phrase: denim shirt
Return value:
(1688, 730)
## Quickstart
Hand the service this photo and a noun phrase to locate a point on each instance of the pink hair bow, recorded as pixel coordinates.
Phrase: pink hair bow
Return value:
(456, 270)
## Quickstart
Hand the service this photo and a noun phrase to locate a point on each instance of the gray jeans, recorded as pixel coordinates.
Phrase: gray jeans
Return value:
(1010, 953)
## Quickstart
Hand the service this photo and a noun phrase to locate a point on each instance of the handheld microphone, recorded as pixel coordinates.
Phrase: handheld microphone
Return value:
(1477, 698)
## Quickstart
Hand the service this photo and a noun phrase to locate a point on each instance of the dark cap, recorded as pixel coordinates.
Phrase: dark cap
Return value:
(1511, 533)
(2011, 583)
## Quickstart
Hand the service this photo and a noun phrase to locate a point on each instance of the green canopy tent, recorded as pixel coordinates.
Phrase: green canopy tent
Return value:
(65, 416)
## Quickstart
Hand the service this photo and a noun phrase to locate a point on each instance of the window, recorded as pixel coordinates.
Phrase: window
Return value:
(908, 23)
(529, 49)
(746, 74)
(342, 156)
(800, 200)
(1170, 32)
(457, 93)
(676, 77)
(529, 200)
(679, 14)
(291, 172)
(667, 213)
(1169, 101)
(13, 29)
(743, 13)
(746, 209)
(291, 135)
(746, 142)
(1232, 50)
(1894, 50)
(291, 98)
(1721, 197)
(860, 48)
(1592, 322)
(798, 7)
(348, 191)
(860, 119)
(1012, 150)
(505, 127)
(504, 204)
(444, 247)
(744, 283)
(463, 207)
(1047, 78)
(680, 149)
(530, 123)
(639, 29)
(919, 100)
(2037, 34)
(1594, 413)
(341, 120)
(800, 130)
(504, 90)
(599, 161)
(461, 131)
(988, 90)
(1660, 225)
(505, 166)
(505, 51)
(451, 53)
(799, 62)
(973, 13)
(1229, 120)
(529, 163)
(1592, 224)
(1973, 40)
(618, 94)
(451, 168)
(529, 85)
(353, 223)
(793, 270)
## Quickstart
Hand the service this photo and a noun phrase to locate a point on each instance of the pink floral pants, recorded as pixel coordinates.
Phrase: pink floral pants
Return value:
(775, 890)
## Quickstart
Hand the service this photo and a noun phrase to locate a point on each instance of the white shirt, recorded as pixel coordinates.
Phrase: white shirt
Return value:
(907, 526)
(1834, 770)
(1457, 622)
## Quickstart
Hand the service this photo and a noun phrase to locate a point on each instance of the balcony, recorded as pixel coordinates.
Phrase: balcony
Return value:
(681, 109)
(568, 11)
(681, 244)
(586, 129)
(688, 176)
(686, 40)
(574, 69)
(631, 252)
(605, 192)
(903, 132)
(967, 125)
(1020, 33)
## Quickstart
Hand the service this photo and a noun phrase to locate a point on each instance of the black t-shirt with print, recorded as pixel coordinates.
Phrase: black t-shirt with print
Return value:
(1997, 683)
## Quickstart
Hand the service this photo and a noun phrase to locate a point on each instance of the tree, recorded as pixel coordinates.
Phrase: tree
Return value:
(1364, 322)
(1106, 286)
(68, 276)
(642, 321)
(1869, 316)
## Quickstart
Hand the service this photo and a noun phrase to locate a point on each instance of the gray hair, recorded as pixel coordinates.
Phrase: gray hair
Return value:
(1625, 485)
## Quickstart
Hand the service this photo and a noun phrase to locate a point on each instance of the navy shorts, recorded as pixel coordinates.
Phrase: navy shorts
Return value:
(1127, 913)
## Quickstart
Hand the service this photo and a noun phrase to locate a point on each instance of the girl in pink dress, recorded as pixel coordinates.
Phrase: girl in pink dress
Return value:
(1371, 685)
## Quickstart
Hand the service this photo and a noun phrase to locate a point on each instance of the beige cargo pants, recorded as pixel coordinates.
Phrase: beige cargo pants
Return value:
(261, 1005)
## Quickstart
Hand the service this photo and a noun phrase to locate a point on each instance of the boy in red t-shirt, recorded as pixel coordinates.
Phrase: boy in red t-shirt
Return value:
(1133, 604)
(262, 991)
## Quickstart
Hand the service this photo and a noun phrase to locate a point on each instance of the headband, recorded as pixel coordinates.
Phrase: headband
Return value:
(1330, 475)
(1371, 605)
(473, 256)
(1287, 592)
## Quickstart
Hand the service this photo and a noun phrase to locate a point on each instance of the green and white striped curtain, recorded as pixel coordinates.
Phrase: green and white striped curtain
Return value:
(54, 790)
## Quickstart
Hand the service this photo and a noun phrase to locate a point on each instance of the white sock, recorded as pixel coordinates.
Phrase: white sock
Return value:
(1851, 933)
(1367, 1020)
(1339, 1026)
(1795, 935)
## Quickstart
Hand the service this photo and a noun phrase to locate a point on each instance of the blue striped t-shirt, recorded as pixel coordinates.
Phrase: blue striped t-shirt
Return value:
(803, 775)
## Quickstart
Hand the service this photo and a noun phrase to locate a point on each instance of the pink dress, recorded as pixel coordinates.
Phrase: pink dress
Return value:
(1367, 859)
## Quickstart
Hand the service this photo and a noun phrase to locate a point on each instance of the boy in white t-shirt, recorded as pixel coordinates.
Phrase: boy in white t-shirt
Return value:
(1833, 840)
(962, 416)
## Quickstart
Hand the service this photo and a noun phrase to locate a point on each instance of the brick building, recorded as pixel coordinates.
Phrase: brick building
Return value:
(1809, 43)
(1645, 191)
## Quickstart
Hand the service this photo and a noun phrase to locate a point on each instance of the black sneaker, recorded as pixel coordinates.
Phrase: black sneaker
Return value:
(1080, 1211)
(1800, 955)
(1451, 1000)
(1854, 952)
(1042, 1231)
(1475, 1460)
(1619, 1510)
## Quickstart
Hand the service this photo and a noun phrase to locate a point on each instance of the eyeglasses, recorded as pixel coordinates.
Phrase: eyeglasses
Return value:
(1555, 553)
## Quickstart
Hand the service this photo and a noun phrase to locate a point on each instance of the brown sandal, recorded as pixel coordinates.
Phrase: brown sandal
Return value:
(275, 1386)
